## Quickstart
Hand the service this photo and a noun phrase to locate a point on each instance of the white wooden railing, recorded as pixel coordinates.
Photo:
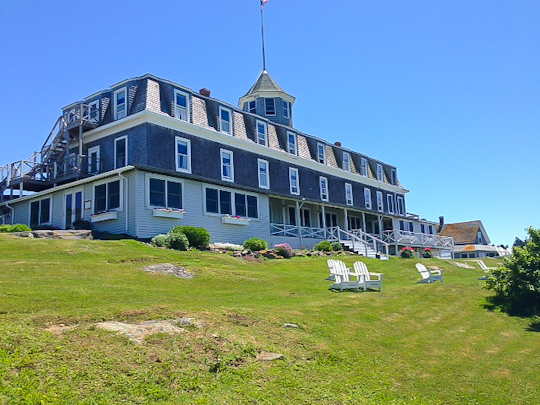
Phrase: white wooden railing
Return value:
(360, 237)
(417, 239)
(297, 231)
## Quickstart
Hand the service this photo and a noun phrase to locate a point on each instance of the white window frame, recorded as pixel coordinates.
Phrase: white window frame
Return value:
(39, 210)
(295, 149)
(249, 106)
(265, 109)
(96, 104)
(186, 95)
(233, 205)
(380, 201)
(188, 143)
(291, 187)
(390, 203)
(367, 197)
(89, 153)
(319, 144)
(230, 132)
(286, 109)
(480, 237)
(107, 181)
(323, 188)
(401, 212)
(265, 125)
(347, 161)
(349, 194)
(72, 192)
(122, 90)
(267, 167)
(380, 173)
(126, 150)
(221, 154)
(363, 167)
(166, 178)
(393, 176)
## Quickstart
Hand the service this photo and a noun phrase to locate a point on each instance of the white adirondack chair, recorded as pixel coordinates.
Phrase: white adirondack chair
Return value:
(331, 264)
(369, 278)
(343, 280)
(428, 276)
(484, 269)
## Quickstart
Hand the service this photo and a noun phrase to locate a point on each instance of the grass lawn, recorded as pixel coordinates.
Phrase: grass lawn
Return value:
(412, 343)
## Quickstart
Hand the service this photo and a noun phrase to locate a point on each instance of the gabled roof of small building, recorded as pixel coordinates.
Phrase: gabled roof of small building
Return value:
(464, 233)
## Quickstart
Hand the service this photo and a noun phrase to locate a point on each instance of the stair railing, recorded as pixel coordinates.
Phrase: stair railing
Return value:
(336, 233)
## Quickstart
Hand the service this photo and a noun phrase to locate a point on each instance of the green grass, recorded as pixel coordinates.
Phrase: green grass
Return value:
(412, 343)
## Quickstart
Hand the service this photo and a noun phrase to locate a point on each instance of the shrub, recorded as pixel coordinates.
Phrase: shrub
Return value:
(337, 247)
(285, 250)
(255, 244)
(5, 228)
(406, 253)
(197, 237)
(177, 241)
(160, 240)
(226, 246)
(517, 282)
(324, 246)
(427, 253)
(45, 228)
(20, 228)
(82, 224)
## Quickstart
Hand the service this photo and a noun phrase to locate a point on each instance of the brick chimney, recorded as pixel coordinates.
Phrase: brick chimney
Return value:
(204, 92)
(337, 143)
(441, 224)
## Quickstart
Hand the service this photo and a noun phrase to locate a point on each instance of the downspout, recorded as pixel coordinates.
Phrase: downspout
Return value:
(126, 199)
(12, 212)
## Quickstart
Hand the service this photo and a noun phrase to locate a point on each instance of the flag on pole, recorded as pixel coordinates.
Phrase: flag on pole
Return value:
(263, 2)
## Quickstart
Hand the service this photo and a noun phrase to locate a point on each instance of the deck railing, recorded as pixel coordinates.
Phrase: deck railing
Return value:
(360, 237)
(295, 231)
(417, 239)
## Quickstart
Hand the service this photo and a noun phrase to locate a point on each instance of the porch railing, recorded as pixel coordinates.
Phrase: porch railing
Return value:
(358, 236)
(297, 231)
(417, 239)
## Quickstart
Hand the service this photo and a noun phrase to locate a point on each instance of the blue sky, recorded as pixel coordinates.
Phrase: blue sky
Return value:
(446, 91)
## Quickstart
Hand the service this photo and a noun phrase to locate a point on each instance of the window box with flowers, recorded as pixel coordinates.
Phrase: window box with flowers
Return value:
(236, 220)
(169, 213)
(406, 253)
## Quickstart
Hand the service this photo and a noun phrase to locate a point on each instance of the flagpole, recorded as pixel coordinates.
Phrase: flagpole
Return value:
(262, 36)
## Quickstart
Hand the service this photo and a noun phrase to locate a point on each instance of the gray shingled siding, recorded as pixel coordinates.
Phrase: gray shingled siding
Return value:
(273, 141)
(138, 103)
(330, 158)
(239, 126)
(153, 99)
(303, 148)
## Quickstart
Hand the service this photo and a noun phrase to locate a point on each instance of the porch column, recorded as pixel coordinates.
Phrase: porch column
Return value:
(379, 218)
(299, 222)
(346, 224)
(364, 222)
(323, 220)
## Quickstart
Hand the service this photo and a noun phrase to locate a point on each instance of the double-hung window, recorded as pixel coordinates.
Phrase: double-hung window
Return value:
(406, 226)
(165, 193)
(270, 106)
(93, 112)
(227, 165)
(253, 107)
(120, 152)
(286, 109)
(294, 181)
(321, 153)
(225, 202)
(348, 194)
(390, 203)
(379, 172)
(181, 105)
(225, 120)
(262, 131)
(363, 167)
(367, 197)
(323, 183)
(393, 175)
(107, 196)
(120, 103)
(94, 166)
(40, 212)
(380, 201)
(292, 143)
(183, 155)
(400, 206)
(264, 180)
(346, 161)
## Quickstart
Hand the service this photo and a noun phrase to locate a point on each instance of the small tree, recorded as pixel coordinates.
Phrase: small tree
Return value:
(517, 282)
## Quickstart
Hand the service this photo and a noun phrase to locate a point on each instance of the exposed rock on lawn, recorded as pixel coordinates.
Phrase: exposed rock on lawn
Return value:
(462, 265)
(191, 322)
(290, 325)
(268, 356)
(137, 332)
(168, 268)
(67, 235)
(61, 328)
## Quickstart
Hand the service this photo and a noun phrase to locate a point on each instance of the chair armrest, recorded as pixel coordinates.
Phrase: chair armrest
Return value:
(435, 272)
(379, 275)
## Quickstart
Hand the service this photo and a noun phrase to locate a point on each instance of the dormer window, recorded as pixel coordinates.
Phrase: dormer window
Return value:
(346, 161)
(262, 138)
(120, 107)
(253, 107)
(393, 177)
(363, 166)
(400, 206)
(270, 106)
(321, 153)
(181, 106)
(292, 144)
(93, 112)
(286, 109)
(379, 172)
(225, 120)
(480, 238)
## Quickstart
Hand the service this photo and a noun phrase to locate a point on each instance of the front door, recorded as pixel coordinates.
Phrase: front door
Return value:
(72, 208)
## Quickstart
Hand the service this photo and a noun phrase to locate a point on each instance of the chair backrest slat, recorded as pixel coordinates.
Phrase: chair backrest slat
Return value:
(422, 270)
